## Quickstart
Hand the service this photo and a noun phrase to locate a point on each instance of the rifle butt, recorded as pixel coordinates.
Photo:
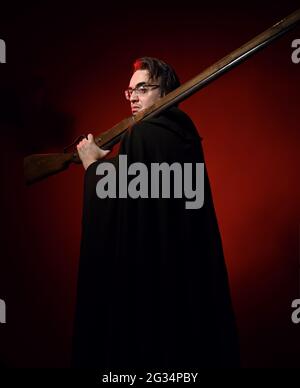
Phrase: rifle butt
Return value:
(40, 166)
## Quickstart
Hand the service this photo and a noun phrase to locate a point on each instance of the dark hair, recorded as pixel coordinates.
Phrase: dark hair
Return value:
(160, 72)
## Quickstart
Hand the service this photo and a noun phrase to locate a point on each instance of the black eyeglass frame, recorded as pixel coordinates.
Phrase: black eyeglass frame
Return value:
(140, 89)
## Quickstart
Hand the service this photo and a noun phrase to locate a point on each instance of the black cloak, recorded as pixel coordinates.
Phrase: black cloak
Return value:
(152, 284)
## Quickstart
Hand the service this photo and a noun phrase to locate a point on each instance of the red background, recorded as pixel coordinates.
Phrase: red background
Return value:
(67, 67)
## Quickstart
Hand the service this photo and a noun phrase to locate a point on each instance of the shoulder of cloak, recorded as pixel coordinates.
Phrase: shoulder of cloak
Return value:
(162, 138)
(174, 120)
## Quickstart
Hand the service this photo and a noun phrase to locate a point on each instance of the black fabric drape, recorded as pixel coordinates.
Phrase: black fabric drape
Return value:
(152, 284)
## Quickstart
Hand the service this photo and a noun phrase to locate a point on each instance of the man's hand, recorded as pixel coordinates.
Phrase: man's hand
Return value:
(89, 152)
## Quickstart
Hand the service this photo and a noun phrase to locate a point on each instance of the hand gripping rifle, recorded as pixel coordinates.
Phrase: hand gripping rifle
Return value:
(40, 166)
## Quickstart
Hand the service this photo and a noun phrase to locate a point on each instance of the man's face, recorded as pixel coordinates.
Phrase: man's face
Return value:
(147, 96)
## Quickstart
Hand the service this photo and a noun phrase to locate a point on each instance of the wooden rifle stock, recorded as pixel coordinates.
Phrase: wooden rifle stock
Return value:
(39, 166)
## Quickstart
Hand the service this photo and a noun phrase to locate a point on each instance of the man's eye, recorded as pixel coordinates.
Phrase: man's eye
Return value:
(142, 89)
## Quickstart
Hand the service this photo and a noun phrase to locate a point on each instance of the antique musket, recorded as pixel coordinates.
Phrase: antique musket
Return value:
(40, 166)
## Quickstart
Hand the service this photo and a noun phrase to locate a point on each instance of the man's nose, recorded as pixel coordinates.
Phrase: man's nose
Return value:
(134, 97)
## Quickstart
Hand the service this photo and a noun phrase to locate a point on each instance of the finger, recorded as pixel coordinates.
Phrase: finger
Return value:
(90, 137)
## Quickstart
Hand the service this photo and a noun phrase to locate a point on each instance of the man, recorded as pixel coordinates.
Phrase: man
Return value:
(152, 286)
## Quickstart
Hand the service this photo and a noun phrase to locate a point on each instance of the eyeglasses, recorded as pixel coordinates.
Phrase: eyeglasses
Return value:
(139, 90)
